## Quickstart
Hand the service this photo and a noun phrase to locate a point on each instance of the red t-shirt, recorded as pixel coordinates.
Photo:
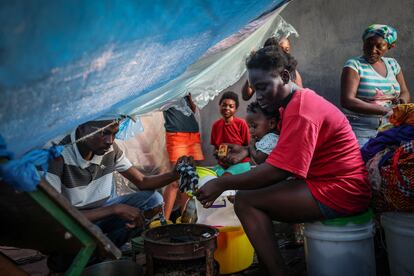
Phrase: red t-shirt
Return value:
(236, 132)
(317, 144)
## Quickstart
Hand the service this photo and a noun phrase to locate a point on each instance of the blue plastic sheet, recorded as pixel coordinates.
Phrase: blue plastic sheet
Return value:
(67, 62)
(23, 173)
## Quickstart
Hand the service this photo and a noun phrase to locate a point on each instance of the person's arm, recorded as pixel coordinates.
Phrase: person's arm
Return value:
(236, 154)
(190, 102)
(213, 140)
(405, 94)
(247, 91)
(258, 156)
(126, 212)
(349, 85)
(99, 213)
(298, 80)
(267, 174)
(149, 182)
(215, 153)
(245, 133)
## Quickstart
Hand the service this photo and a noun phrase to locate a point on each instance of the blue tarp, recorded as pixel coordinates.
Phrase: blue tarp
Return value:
(63, 63)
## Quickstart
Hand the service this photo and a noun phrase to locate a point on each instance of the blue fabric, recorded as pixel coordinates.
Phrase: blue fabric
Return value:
(364, 127)
(392, 137)
(22, 173)
(233, 169)
(3, 149)
(68, 62)
(114, 227)
(128, 128)
(388, 33)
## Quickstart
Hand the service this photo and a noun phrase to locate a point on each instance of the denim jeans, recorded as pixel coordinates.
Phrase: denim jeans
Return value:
(327, 212)
(114, 227)
(364, 127)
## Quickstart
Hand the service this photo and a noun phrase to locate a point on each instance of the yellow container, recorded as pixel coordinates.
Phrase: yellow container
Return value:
(234, 251)
(157, 223)
(202, 172)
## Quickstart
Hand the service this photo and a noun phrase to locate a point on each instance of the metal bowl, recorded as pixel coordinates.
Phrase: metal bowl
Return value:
(114, 268)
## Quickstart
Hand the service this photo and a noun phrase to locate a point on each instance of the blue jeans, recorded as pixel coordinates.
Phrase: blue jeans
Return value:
(364, 127)
(328, 213)
(114, 227)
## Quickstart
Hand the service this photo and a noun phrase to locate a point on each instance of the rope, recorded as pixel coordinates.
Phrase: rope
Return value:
(22, 174)
(116, 121)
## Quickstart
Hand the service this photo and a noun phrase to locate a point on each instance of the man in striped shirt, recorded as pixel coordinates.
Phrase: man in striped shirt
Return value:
(84, 175)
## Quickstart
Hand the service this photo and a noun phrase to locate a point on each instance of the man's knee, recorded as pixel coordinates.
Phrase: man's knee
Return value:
(154, 199)
(143, 200)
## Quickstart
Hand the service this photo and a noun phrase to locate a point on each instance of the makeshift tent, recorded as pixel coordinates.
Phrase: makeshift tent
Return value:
(66, 62)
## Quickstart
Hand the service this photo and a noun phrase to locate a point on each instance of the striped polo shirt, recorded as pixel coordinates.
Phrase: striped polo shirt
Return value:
(86, 183)
(373, 87)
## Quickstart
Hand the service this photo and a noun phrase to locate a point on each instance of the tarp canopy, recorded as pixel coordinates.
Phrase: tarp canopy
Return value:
(67, 62)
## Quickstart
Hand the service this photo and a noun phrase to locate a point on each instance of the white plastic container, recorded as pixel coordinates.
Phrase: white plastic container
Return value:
(339, 250)
(221, 213)
(399, 235)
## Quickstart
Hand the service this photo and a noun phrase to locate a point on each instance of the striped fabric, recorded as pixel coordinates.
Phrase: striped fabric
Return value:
(86, 184)
(373, 87)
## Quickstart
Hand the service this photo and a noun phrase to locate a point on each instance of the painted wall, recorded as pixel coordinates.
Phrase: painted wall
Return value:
(330, 33)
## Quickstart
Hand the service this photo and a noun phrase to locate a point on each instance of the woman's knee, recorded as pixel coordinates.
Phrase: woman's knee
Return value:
(240, 201)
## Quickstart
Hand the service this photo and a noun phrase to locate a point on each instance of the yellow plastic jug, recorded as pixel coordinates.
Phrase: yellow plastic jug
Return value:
(234, 251)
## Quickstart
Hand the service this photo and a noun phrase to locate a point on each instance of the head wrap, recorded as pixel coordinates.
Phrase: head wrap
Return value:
(388, 33)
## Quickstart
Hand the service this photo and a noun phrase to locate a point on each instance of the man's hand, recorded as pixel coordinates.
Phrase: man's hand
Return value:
(236, 154)
(209, 192)
(186, 159)
(129, 213)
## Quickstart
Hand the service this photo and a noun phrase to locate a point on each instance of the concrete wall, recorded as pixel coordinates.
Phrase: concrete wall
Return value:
(330, 33)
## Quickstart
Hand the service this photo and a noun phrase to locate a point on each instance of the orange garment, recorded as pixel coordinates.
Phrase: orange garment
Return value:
(183, 143)
(402, 114)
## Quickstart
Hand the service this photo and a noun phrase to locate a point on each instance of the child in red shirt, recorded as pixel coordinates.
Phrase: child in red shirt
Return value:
(230, 130)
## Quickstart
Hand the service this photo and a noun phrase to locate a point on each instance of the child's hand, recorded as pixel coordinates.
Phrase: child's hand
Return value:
(215, 154)
(236, 154)
(222, 151)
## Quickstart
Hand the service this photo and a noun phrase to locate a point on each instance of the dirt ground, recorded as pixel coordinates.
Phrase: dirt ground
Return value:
(34, 263)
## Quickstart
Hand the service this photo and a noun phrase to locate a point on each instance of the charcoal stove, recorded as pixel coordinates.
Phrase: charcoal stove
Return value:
(180, 242)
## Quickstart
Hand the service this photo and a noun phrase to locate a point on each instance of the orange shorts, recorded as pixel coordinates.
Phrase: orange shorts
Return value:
(183, 143)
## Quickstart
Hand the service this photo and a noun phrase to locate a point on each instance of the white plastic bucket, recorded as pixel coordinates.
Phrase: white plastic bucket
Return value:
(339, 250)
(399, 235)
(221, 213)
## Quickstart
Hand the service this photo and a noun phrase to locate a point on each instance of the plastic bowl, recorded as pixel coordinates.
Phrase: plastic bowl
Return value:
(202, 172)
